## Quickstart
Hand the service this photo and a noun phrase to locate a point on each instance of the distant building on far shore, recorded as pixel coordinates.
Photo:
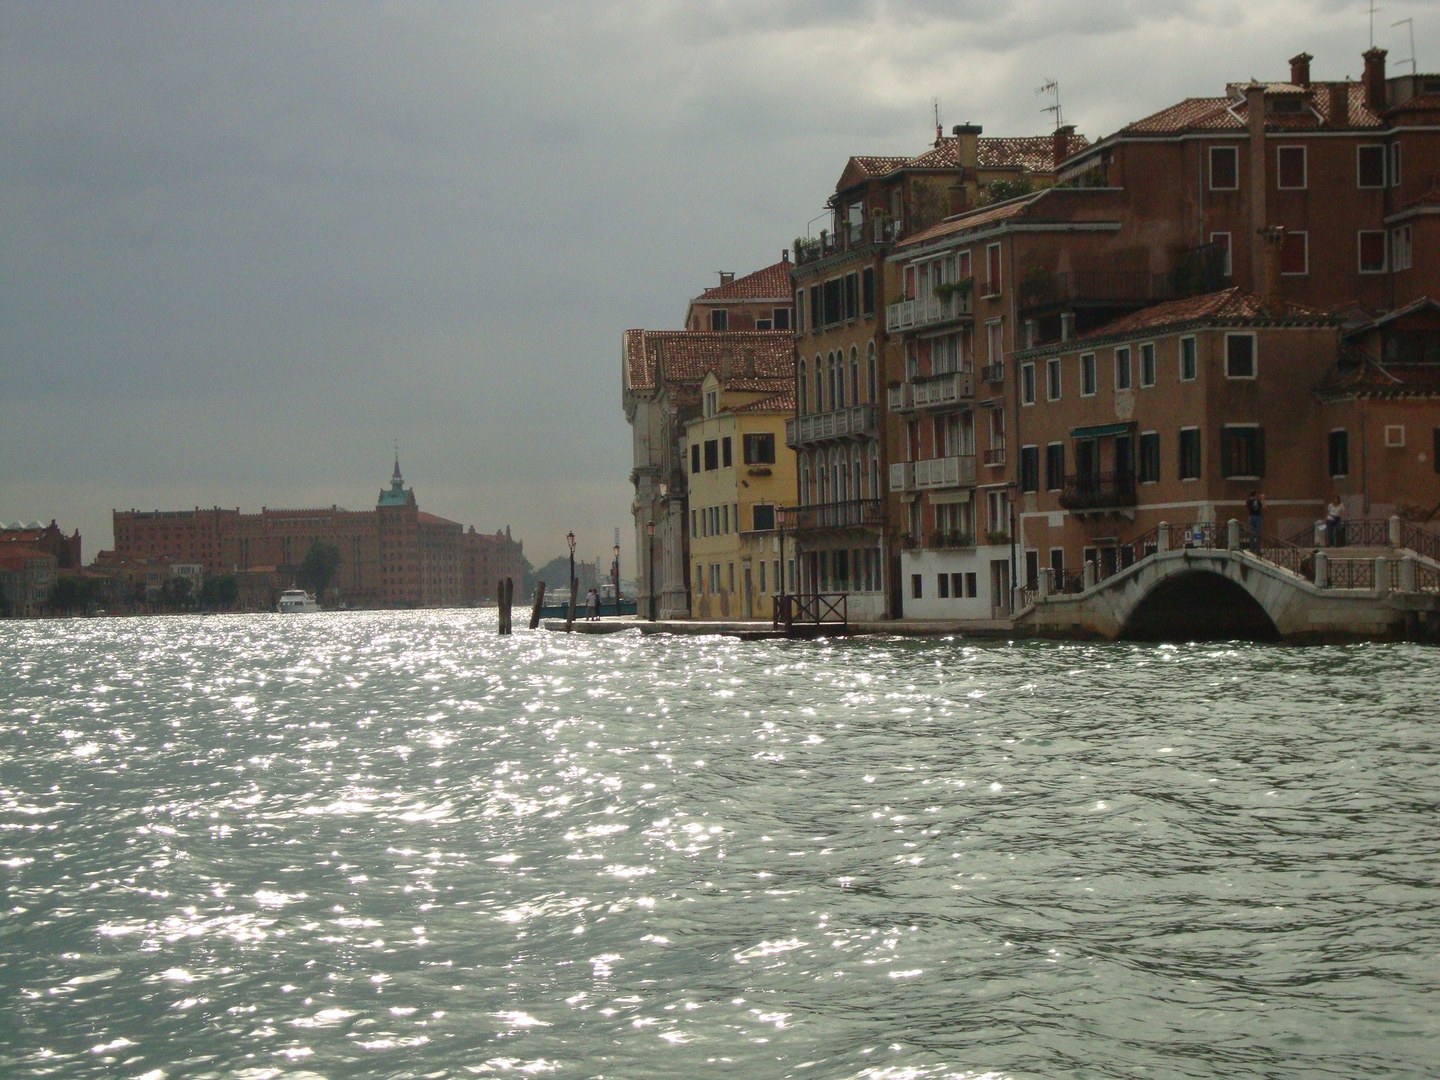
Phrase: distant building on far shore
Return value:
(393, 556)
(49, 538)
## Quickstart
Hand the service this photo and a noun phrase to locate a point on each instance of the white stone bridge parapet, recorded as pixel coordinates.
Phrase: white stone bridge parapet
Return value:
(1225, 592)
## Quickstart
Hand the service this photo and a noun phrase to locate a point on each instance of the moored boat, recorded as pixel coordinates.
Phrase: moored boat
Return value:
(292, 600)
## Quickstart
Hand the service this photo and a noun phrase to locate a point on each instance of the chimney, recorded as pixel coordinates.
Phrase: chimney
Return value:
(1300, 69)
(784, 255)
(967, 147)
(1062, 143)
(1375, 79)
(1255, 122)
(1339, 104)
(1272, 241)
(727, 276)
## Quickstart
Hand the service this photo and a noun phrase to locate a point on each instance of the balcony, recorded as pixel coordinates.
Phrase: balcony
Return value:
(851, 422)
(993, 374)
(850, 235)
(900, 398)
(995, 456)
(851, 514)
(939, 391)
(926, 311)
(946, 472)
(902, 476)
(1101, 491)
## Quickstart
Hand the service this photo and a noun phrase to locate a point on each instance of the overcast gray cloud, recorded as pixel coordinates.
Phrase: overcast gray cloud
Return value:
(246, 245)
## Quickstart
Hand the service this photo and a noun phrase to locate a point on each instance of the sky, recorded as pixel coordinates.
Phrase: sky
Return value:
(246, 248)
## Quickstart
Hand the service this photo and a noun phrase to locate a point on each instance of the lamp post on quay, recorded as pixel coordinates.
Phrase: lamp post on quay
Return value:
(616, 569)
(650, 532)
(570, 613)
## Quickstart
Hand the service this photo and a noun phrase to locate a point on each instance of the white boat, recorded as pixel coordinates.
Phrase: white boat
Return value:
(292, 600)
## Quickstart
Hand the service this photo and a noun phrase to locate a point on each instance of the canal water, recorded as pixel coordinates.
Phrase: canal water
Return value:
(395, 845)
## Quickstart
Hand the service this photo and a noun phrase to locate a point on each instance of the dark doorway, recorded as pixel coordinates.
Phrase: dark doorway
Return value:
(1199, 606)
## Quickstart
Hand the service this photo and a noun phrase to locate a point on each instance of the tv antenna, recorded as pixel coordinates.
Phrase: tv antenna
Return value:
(1411, 24)
(1052, 88)
(1372, 24)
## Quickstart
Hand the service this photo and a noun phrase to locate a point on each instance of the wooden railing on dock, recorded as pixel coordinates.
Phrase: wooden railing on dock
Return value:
(817, 611)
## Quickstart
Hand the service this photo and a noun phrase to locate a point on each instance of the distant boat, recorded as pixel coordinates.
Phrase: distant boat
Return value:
(292, 600)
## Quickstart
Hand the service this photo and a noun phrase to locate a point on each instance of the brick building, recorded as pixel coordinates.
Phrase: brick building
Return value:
(488, 558)
(66, 549)
(848, 529)
(27, 576)
(393, 556)
(758, 301)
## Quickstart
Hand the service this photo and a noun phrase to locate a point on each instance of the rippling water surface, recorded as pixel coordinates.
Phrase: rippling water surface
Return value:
(385, 845)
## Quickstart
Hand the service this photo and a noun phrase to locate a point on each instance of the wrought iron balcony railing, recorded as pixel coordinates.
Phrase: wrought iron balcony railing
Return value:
(1098, 491)
(850, 514)
(850, 422)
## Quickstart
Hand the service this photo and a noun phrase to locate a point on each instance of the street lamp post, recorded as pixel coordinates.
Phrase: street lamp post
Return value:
(650, 532)
(616, 570)
(570, 614)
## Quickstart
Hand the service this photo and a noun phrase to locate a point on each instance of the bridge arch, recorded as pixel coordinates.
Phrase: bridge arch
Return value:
(1198, 604)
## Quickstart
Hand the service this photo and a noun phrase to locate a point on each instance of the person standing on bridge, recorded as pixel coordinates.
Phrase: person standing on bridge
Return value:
(1335, 522)
(1255, 508)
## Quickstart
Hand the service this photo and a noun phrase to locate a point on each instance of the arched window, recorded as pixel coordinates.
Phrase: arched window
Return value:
(822, 478)
(871, 383)
(830, 380)
(855, 472)
(837, 476)
(874, 470)
(819, 403)
(801, 387)
(854, 375)
(804, 463)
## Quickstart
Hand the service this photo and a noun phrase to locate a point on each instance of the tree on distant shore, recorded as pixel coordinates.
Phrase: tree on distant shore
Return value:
(318, 568)
(72, 594)
(220, 592)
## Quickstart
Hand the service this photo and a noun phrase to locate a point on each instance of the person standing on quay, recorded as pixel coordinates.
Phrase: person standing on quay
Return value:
(592, 604)
(1255, 508)
(1335, 523)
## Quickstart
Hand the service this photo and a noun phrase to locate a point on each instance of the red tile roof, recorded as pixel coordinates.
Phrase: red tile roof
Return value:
(782, 402)
(974, 219)
(1360, 375)
(433, 519)
(689, 355)
(1228, 305)
(771, 283)
(1230, 113)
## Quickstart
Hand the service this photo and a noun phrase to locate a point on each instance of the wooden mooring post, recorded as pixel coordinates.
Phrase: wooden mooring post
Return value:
(505, 591)
(570, 611)
(539, 603)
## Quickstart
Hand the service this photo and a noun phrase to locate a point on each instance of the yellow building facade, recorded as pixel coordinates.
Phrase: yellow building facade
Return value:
(740, 473)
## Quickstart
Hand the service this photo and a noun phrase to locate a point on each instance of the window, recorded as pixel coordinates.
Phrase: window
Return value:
(1395, 164)
(1147, 364)
(1339, 452)
(725, 519)
(867, 291)
(999, 512)
(1029, 468)
(817, 308)
(942, 581)
(871, 382)
(852, 296)
(1435, 448)
(1122, 368)
(1224, 168)
(799, 309)
(714, 577)
(995, 343)
(1149, 472)
(712, 402)
(992, 272)
(1027, 384)
(1087, 374)
(1295, 253)
(1223, 240)
(1188, 362)
(781, 320)
(1055, 466)
(726, 457)
(762, 324)
(1240, 356)
(695, 458)
(1401, 254)
(759, 448)
(712, 455)
(957, 585)
(1290, 167)
(801, 387)
(1394, 435)
(1189, 453)
(834, 299)
(1370, 166)
(762, 518)
(694, 522)
(1372, 251)
(1052, 379)
(762, 577)
(1242, 451)
(719, 319)
(917, 587)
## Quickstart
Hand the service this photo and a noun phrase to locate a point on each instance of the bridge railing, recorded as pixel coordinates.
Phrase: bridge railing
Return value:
(814, 609)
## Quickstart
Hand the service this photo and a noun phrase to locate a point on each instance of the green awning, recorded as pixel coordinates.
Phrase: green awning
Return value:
(1096, 431)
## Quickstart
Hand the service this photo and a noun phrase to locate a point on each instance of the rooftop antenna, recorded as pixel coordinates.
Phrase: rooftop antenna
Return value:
(1052, 88)
(1411, 24)
(1372, 24)
(939, 131)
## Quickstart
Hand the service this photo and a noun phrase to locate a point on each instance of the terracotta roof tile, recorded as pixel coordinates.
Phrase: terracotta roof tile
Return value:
(1360, 374)
(689, 355)
(771, 283)
(1230, 113)
(974, 219)
(1231, 304)
(435, 519)
(1033, 152)
(782, 402)
(875, 165)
